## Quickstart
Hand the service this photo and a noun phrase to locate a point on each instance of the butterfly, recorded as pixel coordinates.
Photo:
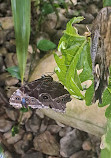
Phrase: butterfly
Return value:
(101, 51)
(41, 93)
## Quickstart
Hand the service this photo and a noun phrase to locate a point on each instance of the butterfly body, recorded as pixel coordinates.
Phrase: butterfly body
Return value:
(101, 51)
(41, 93)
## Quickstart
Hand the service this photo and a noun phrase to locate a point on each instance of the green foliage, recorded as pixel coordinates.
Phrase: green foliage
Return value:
(21, 15)
(15, 130)
(75, 56)
(14, 71)
(45, 45)
(75, 51)
(47, 8)
(106, 3)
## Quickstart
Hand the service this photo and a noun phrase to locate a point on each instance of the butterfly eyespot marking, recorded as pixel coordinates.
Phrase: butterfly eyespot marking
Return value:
(17, 98)
(45, 97)
(97, 70)
(58, 101)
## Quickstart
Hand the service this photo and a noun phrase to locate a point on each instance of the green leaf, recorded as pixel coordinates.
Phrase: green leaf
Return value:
(47, 8)
(89, 95)
(70, 30)
(107, 3)
(45, 45)
(15, 130)
(14, 71)
(21, 16)
(106, 99)
(108, 112)
(23, 109)
(74, 48)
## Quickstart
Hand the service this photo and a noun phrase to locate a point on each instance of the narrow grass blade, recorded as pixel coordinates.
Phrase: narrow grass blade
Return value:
(21, 16)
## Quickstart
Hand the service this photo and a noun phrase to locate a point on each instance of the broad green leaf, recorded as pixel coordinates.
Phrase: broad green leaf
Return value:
(71, 47)
(70, 30)
(14, 71)
(45, 45)
(21, 16)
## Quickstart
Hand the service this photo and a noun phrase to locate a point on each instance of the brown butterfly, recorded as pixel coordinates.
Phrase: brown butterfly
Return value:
(101, 51)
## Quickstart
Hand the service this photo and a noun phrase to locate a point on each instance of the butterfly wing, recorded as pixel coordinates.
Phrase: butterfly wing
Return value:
(50, 93)
(101, 51)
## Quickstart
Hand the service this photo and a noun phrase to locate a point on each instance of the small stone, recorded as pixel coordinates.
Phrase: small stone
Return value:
(28, 136)
(33, 155)
(39, 113)
(25, 116)
(6, 22)
(2, 66)
(11, 81)
(3, 77)
(3, 98)
(33, 124)
(64, 131)
(93, 9)
(3, 8)
(21, 146)
(7, 154)
(10, 47)
(9, 60)
(87, 145)
(80, 154)
(44, 125)
(5, 125)
(70, 144)
(3, 51)
(10, 90)
(47, 144)
(16, 138)
(53, 128)
(2, 37)
(12, 114)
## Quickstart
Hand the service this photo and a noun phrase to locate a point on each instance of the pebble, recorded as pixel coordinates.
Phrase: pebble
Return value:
(11, 113)
(80, 154)
(25, 117)
(44, 125)
(11, 81)
(9, 60)
(7, 154)
(5, 125)
(33, 124)
(16, 138)
(33, 155)
(39, 113)
(64, 131)
(10, 47)
(3, 77)
(21, 146)
(70, 144)
(47, 144)
(3, 51)
(54, 129)
(87, 145)
(2, 37)
(6, 22)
